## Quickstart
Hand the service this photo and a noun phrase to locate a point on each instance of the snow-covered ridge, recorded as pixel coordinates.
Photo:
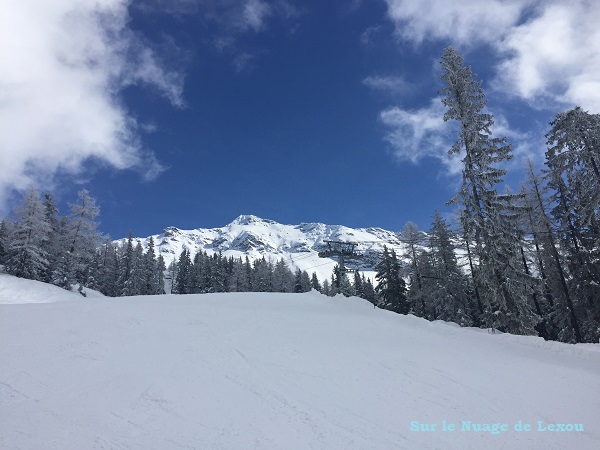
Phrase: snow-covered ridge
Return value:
(298, 245)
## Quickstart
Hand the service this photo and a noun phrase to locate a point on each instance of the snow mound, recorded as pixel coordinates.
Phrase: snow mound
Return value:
(18, 290)
(278, 371)
(15, 290)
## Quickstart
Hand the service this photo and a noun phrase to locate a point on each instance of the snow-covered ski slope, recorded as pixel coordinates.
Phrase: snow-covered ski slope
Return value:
(276, 371)
(298, 245)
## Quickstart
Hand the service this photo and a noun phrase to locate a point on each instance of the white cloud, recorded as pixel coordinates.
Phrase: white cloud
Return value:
(462, 21)
(254, 14)
(555, 56)
(548, 51)
(422, 133)
(64, 65)
(389, 84)
(418, 134)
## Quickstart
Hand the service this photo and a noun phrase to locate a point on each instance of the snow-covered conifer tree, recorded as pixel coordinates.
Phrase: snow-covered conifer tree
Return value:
(573, 160)
(126, 262)
(493, 218)
(184, 273)
(283, 278)
(368, 290)
(326, 290)
(391, 288)
(314, 282)
(447, 285)
(262, 276)
(5, 232)
(53, 246)
(413, 237)
(27, 255)
(82, 234)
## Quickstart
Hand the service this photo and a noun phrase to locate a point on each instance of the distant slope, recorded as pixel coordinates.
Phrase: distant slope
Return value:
(278, 371)
(298, 245)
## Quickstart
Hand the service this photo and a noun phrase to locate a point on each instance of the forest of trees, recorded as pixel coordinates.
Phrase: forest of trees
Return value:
(532, 257)
(65, 250)
(525, 262)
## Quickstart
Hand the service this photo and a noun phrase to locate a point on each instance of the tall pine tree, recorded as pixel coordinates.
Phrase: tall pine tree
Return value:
(573, 161)
(391, 287)
(493, 218)
(27, 254)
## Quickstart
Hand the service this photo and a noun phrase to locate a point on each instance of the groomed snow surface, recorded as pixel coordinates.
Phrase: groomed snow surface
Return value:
(275, 371)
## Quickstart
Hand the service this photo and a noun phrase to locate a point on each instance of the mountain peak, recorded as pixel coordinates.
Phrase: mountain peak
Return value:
(247, 219)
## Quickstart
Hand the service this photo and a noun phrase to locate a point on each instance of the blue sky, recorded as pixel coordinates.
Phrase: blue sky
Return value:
(191, 112)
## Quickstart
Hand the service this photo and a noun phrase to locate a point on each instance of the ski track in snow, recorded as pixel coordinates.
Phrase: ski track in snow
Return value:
(273, 371)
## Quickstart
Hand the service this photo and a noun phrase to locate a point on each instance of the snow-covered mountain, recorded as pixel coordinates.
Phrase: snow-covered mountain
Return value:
(298, 245)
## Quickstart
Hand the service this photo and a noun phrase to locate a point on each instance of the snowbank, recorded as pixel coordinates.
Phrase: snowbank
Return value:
(18, 290)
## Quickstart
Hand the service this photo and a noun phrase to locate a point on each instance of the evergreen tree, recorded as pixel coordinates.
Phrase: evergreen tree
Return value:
(4, 240)
(219, 273)
(160, 275)
(62, 275)
(138, 270)
(262, 276)
(358, 285)
(239, 280)
(27, 257)
(184, 273)
(171, 276)
(63, 267)
(152, 284)
(82, 234)
(368, 290)
(492, 217)
(125, 282)
(108, 275)
(326, 290)
(446, 285)
(550, 295)
(204, 272)
(305, 281)
(340, 283)
(573, 161)
(248, 271)
(334, 287)
(298, 281)
(53, 246)
(302, 282)
(283, 278)
(391, 288)
(314, 282)
(412, 237)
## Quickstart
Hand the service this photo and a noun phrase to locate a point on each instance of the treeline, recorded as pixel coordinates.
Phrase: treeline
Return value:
(217, 273)
(426, 279)
(206, 273)
(523, 262)
(41, 245)
(530, 260)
